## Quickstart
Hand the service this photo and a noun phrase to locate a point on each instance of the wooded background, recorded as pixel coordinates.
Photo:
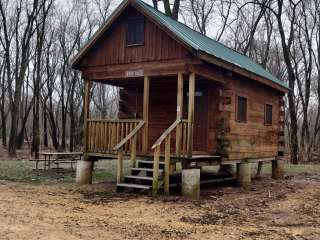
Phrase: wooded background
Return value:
(41, 96)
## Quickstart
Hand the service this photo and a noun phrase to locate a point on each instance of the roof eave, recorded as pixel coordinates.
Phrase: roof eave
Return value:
(234, 68)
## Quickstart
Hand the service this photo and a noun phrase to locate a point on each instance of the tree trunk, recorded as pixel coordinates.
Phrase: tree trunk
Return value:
(45, 127)
(3, 127)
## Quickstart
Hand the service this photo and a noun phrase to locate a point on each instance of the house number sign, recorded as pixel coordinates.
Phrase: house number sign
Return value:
(135, 73)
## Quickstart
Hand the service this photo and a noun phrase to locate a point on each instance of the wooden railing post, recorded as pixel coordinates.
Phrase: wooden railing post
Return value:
(191, 114)
(179, 113)
(133, 149)
(166, 136)
(146, 89)
(86, 106)
(155, 181)
(167, 165)
(114, 131)
(120, 166)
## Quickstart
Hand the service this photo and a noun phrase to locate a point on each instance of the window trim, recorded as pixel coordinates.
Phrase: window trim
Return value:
(144, 29)
(265, 114)
(236, 115)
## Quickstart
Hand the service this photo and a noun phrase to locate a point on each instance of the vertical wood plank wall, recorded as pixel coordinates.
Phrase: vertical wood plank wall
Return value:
(111, 48)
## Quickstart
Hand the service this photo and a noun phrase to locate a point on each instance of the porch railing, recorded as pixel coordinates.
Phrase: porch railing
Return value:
(181, 127)
(104, 134)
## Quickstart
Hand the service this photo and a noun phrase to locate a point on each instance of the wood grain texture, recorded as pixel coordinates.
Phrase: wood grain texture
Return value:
(86, 113)
(111, 47)
(212, 117)
(253, 139)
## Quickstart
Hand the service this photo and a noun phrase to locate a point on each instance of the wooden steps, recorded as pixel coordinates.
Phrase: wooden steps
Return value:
(141, 176)
(133, 186)
(138, 177)
(144, 169)
(148, 162)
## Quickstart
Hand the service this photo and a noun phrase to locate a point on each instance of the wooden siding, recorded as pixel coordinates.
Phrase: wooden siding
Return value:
(253, 139)
(162, 105)
(213, 116)
(160, 56)
(111, 48)
(250, 139)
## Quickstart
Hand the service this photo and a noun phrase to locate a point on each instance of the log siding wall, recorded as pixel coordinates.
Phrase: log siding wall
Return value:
(253, 138)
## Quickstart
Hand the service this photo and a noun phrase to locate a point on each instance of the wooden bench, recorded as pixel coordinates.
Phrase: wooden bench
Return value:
(70, 161)
(57, 158)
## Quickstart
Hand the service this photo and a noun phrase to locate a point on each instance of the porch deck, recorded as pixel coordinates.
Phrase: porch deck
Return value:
(105, 137)
(128, 138)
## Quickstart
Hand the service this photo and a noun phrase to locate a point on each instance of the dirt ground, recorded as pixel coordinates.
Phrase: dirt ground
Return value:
(286, 209)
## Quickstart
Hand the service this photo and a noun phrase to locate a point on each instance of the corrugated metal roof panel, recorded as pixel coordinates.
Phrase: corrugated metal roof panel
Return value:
(205, 44)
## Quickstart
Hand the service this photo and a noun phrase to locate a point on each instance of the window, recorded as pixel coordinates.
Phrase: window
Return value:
(242, 109)
(268, 114)
(135, 31)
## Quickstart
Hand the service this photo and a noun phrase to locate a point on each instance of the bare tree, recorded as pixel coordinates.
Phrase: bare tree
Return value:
(41, 23)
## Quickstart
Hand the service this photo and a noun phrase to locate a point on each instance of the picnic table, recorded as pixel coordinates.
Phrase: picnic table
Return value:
(57, 158)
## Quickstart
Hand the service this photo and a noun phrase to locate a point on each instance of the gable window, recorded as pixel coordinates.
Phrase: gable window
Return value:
(241, 109)
(135, 32)
(268, 114)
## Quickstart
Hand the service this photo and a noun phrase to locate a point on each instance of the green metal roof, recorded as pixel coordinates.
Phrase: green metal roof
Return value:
(205, 44)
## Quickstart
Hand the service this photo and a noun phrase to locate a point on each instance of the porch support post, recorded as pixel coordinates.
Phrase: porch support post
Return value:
(192, 78)
(86, 106)
(179, 113)
(244, 175)
(84, 171)
(278, 168)
(146, 88)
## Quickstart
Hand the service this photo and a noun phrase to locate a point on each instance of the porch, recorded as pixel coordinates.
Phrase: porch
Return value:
(165, 127)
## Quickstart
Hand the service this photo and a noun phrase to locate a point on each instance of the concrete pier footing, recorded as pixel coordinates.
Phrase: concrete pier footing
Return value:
(84, 172)
(277, 169)
(244, 175)
(191, 183)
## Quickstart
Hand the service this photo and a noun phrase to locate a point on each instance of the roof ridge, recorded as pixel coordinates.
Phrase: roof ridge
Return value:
(218, 42)
(205, 44)
(194, 39)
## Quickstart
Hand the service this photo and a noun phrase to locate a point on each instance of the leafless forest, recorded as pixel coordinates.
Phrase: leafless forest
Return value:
(41, 97)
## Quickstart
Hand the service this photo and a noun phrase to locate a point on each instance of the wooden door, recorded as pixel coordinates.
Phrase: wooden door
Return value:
(200, 129)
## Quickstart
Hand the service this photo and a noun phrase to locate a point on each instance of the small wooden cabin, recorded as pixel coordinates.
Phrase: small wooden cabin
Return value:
(183, 97)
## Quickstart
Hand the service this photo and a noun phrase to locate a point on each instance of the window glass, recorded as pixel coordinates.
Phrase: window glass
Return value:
(135, 31)
(268, 114)
(242, 109)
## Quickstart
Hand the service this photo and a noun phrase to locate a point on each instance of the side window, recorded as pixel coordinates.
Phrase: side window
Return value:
(268, 114)
(241, 109)
(135, 32)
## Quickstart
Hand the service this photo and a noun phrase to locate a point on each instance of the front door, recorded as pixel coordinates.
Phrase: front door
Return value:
(200, 128)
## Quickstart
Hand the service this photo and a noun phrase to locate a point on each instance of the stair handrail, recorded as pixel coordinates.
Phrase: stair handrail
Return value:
(166, 136)
(166, 133)
(129, 136)
(132, 137)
